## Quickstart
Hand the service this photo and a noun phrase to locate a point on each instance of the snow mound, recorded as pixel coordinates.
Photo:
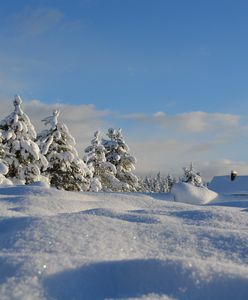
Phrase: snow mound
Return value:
(188, 193)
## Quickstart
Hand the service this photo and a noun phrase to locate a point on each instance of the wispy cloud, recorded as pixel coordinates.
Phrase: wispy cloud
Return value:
(221, 167)
(169, 156)
(192, 122)
(15, 72)
(35, 21)
(82, 120)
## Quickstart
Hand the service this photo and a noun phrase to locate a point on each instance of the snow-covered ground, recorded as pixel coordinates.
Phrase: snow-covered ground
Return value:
(64, 245)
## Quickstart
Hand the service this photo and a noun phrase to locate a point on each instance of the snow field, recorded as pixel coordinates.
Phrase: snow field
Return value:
(64, 245)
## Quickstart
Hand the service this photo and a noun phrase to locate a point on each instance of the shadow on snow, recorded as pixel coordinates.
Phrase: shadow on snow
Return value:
(129, 217)
(134, 278)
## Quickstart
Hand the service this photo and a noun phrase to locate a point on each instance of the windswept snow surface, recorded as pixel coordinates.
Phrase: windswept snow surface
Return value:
(63, 245)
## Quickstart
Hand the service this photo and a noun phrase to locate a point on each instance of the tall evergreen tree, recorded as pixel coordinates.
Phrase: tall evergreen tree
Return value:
(118, 155)
(104, 172)
(65, 170)
(23, 158)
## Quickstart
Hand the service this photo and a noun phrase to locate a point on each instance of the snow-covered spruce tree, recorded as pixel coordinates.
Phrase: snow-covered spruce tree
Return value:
(118, 155)
(65, 170)
(22, 155)
(3, 165)
(192, 176)
(103, 172)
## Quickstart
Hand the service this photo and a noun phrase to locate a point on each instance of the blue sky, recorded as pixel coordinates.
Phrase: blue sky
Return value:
(136, 58)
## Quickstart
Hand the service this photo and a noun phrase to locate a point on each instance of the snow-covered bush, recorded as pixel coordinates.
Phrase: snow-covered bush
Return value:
(65, 169)
(22, 154)
(192, 176)
(117, 153)
(104, 173)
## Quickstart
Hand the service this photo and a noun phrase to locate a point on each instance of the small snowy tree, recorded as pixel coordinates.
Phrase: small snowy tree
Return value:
(22, 155)
(65, 170)
(103, 172)
(118, 155)
(191, 176)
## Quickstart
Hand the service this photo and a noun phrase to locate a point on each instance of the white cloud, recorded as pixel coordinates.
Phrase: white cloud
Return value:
(171, 155)
(203, 138)
(192, 122)
(221, 167)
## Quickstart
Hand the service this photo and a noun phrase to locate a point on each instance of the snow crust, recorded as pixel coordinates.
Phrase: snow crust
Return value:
(74, 245)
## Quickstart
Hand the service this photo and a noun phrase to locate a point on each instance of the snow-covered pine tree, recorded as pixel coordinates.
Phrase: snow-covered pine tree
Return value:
(3, 165)
(66, 170)
(22, 155)
(118, 155)
(192, 176)
(103, 172)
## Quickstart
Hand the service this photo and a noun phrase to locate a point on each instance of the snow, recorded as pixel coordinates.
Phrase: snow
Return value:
(189, 193)
(74, 245)
(52, 120)
(223, 184)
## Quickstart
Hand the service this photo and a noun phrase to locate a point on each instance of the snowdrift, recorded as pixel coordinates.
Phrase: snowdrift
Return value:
(57, 245)
(188, 193)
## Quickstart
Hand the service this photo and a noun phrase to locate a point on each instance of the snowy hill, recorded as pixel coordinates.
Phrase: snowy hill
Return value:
(64, 245)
